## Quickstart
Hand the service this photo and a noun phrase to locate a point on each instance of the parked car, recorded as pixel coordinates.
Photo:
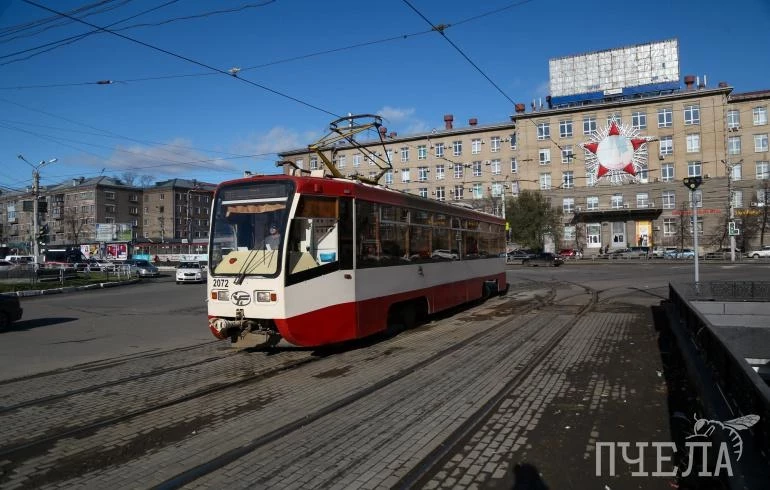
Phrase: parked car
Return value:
(721, 254)
(685, 253)
(759, 252)
(190, 272)
(94, 265)
(445, 254)
(520, 254)
(6, 265)
(141, 267)
(10, 310)
(660, 252)
(570, 253)
(546, 259)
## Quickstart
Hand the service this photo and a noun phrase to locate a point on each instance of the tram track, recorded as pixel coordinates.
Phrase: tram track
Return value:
(38, 447)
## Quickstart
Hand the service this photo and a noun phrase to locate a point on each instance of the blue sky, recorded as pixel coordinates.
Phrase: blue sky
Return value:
(168, 117)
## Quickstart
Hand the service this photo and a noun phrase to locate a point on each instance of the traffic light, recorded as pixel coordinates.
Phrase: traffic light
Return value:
(692, 183)
(732, 228)
(42, 233)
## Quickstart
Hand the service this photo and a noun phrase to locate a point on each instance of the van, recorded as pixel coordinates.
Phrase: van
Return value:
(20, 259)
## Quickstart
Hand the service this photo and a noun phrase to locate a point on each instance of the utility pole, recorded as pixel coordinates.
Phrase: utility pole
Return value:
(692, 183)
(35, 197)
(190, 216)
(731, 208)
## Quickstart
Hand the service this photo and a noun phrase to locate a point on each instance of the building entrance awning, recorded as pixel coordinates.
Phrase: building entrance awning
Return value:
(600, 215)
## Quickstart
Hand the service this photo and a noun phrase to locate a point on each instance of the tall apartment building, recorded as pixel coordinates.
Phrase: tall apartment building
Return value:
(69, 211)
(696, 130)
(177, 209)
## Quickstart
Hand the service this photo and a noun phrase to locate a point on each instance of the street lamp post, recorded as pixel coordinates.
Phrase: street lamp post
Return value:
(35, 197)
(729, 169)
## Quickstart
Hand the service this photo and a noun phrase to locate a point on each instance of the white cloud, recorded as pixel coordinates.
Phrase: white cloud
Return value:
(396, 114)
(176, 157)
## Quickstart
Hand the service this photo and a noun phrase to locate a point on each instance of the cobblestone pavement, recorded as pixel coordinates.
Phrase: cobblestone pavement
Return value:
(308, 427)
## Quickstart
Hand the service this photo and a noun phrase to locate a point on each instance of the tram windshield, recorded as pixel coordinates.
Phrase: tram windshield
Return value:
(248, 228)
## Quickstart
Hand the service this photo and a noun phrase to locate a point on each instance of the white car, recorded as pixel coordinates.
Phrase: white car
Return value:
(190, 272)
(760, 252)
(445, 254)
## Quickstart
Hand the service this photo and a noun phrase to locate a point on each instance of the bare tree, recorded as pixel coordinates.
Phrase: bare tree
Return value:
(146, 180)
(128, 178)
(74, 224)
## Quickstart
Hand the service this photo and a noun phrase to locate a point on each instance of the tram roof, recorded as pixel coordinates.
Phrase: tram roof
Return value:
(331, 186)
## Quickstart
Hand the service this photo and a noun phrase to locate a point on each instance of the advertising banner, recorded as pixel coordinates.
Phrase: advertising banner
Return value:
(105, 232)
(117, 251)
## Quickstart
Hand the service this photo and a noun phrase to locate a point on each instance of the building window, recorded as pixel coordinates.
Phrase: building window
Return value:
(614, 116)
(568, 180)
(566, 154)
(494, 143)
(691, 115)
(616, 201)
(760, 142)
(422, 174)
(569, 233)
(478, 193)
(642, 200)
(639, 120)
(458, 170)
(109, 195)
(643, 176)
(589, 125)
(422, 152)
(568, 204)
(545, 181)
(665, 118)
(313, 163)
(440, 172)
(422, 192)
(763, 170)
(389, 154)
(618, 233)
(514, 166)
(389, 177)
(669, 199)
(545, 156)
(513, 141)
(737, 199)
(593, 235)
(733, 119)
(760, 115)
(458, 192)
(591, 179)
(669, 226)
(300, 163)
(693, 143)
(404, 154)
(495, 166)
(357, 160)
(110, 208)
(667, 172)
(666, 145)
(477, 168)
(592, 203)
(341, 161)
(133, 210)
(543, 131)
(565, 128)
(439, 150)
(693, 169)
(476, 146)
(440, 194)
(700, 225)
(457, 148)
(405, 175)
(734, 145)
(497, 189)
(736, 171)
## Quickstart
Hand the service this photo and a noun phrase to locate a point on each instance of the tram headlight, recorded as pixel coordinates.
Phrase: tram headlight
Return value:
(266, 296)
(220, 295)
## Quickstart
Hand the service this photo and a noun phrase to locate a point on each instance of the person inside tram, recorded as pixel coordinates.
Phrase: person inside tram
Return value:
(273, 239)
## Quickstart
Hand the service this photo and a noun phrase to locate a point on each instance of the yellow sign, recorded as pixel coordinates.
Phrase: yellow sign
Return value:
(507, 226)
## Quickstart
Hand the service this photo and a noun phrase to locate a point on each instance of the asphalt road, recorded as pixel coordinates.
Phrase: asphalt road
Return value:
(67, 329)
(63, 330)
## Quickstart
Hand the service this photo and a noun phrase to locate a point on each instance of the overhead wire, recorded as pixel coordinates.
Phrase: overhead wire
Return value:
(189, 60)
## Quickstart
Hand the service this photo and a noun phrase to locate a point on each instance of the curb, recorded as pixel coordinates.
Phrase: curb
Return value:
(70, 289)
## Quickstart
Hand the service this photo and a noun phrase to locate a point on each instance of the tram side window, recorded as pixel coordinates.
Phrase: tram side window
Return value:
(314, 237)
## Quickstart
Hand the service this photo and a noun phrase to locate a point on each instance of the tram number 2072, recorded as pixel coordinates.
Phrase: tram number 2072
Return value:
(221, 283)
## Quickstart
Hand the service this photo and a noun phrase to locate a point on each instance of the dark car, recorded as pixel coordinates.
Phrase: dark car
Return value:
(520, 254)
(10, 310)
(546, 259)
(723, 254)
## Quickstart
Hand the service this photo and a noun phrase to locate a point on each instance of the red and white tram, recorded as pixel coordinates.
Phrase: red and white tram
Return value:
(348, 259)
